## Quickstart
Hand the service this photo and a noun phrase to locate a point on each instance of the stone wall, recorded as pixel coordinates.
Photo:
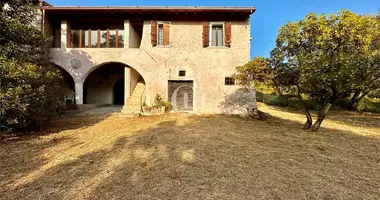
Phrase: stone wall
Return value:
(206, 67)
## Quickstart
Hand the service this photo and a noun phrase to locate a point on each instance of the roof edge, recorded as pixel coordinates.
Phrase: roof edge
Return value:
(167, 8)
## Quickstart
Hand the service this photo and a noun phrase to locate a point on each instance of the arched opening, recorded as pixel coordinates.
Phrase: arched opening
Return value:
(111, 83)
(69, 85)
(118, 92)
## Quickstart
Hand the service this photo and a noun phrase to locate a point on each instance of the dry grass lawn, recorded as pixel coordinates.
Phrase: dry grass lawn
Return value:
(195, 157)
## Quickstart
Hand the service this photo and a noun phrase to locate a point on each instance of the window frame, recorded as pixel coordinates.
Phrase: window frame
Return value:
(183, 71)
(210, 33)
(229, 81)
(163, 39)
(82, 44)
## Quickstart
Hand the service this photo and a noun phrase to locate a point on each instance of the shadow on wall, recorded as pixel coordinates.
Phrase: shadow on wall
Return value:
(241, 101)
(72, 60)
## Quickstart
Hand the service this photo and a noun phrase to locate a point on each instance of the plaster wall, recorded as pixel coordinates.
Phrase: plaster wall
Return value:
(207, 67)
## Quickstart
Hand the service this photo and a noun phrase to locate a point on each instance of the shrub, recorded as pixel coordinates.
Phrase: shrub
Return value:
(29, 95)
(343, 103)
(295, 103)
(275, 100)
(259, 96)
(369, 105)
(159, 102)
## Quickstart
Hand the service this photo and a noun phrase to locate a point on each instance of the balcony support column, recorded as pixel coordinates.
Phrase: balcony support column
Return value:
(65, 34)
(126, 33)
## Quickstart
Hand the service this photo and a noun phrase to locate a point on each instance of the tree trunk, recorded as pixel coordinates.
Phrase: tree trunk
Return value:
(354, 100)
(309, 120)
(321, 117)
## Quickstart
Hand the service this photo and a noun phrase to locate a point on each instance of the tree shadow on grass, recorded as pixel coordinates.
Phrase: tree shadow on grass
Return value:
(217, 157)
(351, 118)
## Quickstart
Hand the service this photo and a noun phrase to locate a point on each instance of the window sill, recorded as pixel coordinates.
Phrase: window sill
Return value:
(163, 46)
(218, 47)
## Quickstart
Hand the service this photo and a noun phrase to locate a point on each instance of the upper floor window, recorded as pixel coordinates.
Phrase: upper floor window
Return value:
(217, 34)
(160, 33)
(98, 38)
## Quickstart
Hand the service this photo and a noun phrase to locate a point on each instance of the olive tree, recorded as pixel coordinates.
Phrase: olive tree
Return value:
(323, 57)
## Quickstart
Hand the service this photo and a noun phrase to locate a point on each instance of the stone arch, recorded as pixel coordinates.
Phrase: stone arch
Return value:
(92, 69)
(67, 76)
(99, 82)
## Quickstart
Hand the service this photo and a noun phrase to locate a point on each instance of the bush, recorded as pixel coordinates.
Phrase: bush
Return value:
(29, 95)
(295, 103)
(275, 100)
(259, 96)
(369, 105)
(343, 103)
(159, 102)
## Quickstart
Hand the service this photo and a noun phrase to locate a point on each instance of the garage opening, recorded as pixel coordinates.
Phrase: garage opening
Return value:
(105, 85)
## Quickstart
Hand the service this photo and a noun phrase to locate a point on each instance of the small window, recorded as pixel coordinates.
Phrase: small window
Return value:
(163, 34)
(182, 73)
(217, 35)
(229, 81)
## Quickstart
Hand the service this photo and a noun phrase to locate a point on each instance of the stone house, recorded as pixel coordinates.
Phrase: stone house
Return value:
(127, 55)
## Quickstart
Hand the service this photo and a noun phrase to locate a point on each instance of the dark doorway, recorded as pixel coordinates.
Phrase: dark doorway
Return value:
(181, 95)
(118, 92)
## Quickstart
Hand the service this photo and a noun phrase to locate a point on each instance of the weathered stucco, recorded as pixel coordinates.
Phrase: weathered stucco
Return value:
(207, 67)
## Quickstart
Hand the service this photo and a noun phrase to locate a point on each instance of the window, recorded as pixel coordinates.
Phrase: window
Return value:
(229, 81)
(182, 73)
(97, 38)
(217, 35)
(160, 35)
(94, 39)
(163, 33)
(75, 38)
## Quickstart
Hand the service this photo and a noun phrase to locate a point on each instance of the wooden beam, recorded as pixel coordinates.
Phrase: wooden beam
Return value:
(117, 38)
(108, 38)
(71, 39)
(89, 38)
(80, 38)
(98, 38)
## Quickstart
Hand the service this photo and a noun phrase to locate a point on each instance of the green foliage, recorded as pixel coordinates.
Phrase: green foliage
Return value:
(331, 53)
(259, 96)
(368, 105)
(296, 103)
(160, 102)
(29, 94)
(275, 100)
(343, 103)
(30, 88)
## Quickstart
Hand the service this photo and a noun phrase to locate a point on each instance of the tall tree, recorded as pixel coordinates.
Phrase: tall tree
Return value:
(334, 54)
(323, 57)
(30, 87)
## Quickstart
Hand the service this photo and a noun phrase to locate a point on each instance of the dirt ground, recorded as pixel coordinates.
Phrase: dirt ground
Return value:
(178, 156)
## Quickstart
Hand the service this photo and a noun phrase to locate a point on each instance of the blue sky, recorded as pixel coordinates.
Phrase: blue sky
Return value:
(270, 14)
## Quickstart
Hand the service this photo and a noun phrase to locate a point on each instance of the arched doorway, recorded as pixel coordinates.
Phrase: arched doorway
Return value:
(69, 84)
(118, 92)
(108, 83)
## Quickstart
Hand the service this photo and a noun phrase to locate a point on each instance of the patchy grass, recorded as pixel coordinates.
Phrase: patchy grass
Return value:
(196, 157)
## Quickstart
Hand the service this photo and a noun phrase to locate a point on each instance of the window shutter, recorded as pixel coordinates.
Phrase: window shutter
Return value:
(206, 34)
(166, 33)
(227, 30)
(154, 33)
